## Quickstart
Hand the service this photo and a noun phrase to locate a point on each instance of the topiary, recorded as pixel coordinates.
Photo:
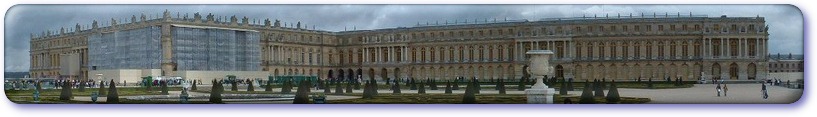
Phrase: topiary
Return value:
(570, 85)
(66, 93)
(421, 88)
(349, 87)
(268, 87)
(563, 88)
(587, 96)
(250, 87)
(412, 84)
(357, 85)
(649, 84)
(215, 92)
(234, 85)
(469, 97)
(396, 87)
(164, 88)
(194, 86)
(455, 85)
(338, 88)
(612, 95)
(81, 86)
(102, 88)
(448, 87)
(599, 91)
(113, 95)
(521, 86)
(501, 86)
(302, 94)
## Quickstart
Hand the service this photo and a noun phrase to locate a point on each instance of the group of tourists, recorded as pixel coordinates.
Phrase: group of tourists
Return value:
(722, 88)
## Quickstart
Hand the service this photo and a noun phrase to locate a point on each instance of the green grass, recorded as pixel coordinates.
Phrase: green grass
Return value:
(457, 98)
(122, 91)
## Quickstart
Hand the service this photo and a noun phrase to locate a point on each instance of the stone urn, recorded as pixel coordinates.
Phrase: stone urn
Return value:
(538, 67)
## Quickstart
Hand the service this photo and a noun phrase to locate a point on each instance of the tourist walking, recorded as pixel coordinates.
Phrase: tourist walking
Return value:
(718, 90)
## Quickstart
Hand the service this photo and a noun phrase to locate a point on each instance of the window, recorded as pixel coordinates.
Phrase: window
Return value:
(684, 27)
(672, 27)
(624, 28)
(660, 27)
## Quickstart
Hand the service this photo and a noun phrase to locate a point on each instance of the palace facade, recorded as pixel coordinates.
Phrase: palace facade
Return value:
(622, 48)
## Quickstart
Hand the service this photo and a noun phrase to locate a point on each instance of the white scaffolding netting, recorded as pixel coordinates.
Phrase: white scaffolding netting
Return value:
(126, 49)
(216, 49)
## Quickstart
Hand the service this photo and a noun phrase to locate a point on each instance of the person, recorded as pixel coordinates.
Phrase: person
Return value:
(764, 92)
(718, 90)
(725, 89)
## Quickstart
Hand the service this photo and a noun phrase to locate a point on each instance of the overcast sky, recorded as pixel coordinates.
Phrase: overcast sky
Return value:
(785, 21)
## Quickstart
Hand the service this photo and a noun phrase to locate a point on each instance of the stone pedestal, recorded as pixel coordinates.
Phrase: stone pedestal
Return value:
(538, 67)
(539, 93)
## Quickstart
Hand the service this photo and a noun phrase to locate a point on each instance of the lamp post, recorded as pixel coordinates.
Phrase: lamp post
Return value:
(538, 67)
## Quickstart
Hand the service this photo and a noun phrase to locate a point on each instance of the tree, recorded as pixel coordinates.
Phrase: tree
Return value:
(469, 97)
(599, 90)
(148, 88)
(396, 87)
(338, 88)
(164, 88)
(326, 88)
(215, 93)
(349, 87)
(101, 88)
(570, 84)
(476, 86)
(501, 86)
(66, 93)
(357, 84)
(587, 96)
(81, 85)
(432, 84)
(268, 87)
(612, 95)
(521, 86)
(412, 84)
(422, 88)
(455, 85)
(250, 87)
(38, 86)
(287, 88)
(234, 84)
(603, 84)
(563, 87)
(448, 87)
(194, 86)
(387, 81)
(113, 95)
(367, 90)
(649, 84)
(302, 94)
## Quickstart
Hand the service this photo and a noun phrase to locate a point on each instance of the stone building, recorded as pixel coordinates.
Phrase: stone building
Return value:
(620, 47)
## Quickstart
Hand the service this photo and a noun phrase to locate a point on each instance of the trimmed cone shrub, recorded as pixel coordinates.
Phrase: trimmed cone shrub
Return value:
(612, 95)
(38, 86)
(521, 86)
(501, 86)
(448, 87)
(412, 84)
(374, 86)
(396, 87)
(570, 85)
(66, 93)
(327, 89)
(268, 87)
(476, 86)
(387, 81)
(599, 91)
(357, 85)
(603, 84)
(164, 88)
(469, 97)
(587, 96)
(349, 87)
(215, 93)
(193, 88)
(148, 88)
(250, 87)
(421, 88)
(338, 88)
(649, 84)
(367, 90)
(563, 88)
(432, 84)
(102, 88)
(234, 85)
(81, 86)
(287, 88)
(113, 95)
(302, 94)
(455, 85)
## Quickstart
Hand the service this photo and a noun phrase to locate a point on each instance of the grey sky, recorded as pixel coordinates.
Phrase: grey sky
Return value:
(785, 21)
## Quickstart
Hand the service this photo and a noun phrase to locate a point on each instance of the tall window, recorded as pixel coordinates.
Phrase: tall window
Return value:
(697, 49)
(672, 49)
(649, 49)
(578, 50)
(625, 50)
(716, 47)
(661, 47)
(613, 53)
(752, 47)
(733, 47)
(685, 49)
(637, 50)
(601, 50)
